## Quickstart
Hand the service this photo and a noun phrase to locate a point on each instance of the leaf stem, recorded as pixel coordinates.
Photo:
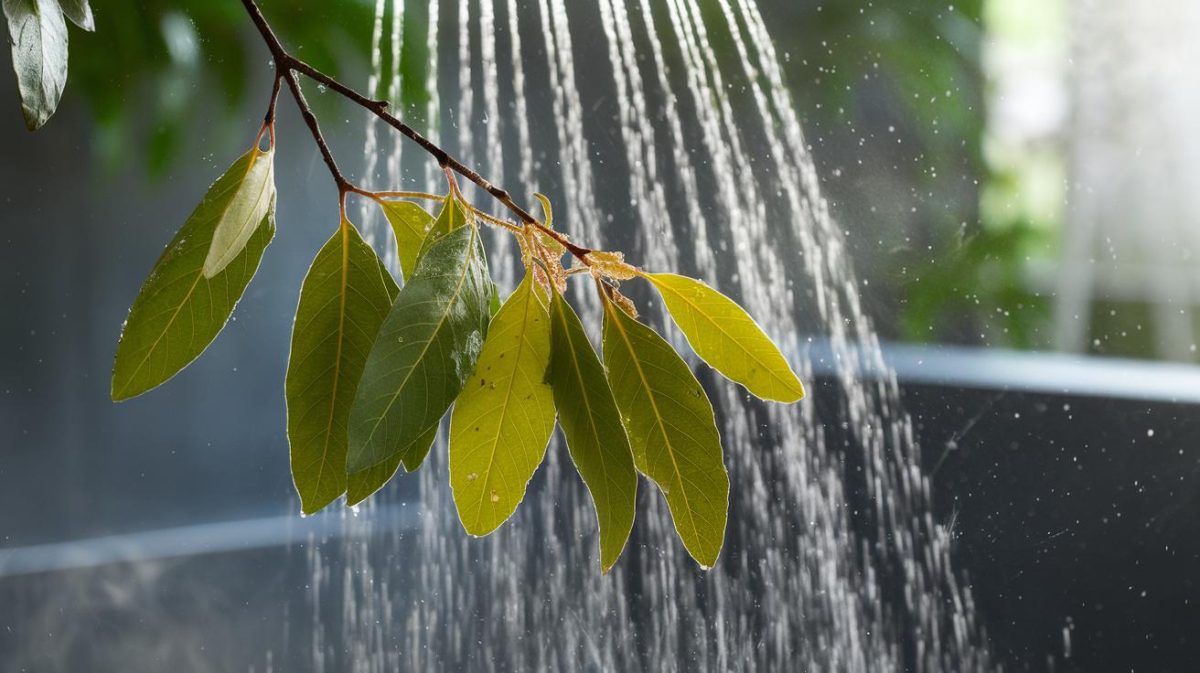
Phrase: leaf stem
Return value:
(380, 196)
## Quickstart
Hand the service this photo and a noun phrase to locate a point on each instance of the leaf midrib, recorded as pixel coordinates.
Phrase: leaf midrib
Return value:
(578, 371)
(495, 440)
(337, 362)
(658, 418)
(166, 328)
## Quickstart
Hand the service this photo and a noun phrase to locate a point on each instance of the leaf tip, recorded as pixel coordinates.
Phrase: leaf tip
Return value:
(796, 391)
(120, 391)
(352, 499)
(33, 120)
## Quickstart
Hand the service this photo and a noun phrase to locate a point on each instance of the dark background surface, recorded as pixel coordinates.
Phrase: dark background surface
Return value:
(1075, 527)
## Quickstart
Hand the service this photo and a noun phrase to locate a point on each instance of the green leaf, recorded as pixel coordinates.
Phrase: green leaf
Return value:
(241, 214)
(345, 297)
(179, 312)
(451, 217)
(80, 13)
(410, 225)
(671, 429)
(592, 427)
(39, 53)
(727, 338)
(505, 415)
(494, 302)
(360, 485)
(420, 362)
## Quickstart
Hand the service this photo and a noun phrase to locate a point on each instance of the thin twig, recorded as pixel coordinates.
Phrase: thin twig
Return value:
(379, 196)
(269, 118)
(498, 221)
(287, 65)
(343, 184)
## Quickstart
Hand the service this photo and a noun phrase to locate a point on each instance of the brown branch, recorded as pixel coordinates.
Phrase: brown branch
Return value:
(269, 118)
(287, 65)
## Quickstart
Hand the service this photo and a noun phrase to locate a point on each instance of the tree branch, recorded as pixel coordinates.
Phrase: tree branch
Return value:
(287, 66)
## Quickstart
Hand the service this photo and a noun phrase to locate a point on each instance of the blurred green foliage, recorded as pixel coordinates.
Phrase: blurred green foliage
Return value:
(894, 100)
(154, 68)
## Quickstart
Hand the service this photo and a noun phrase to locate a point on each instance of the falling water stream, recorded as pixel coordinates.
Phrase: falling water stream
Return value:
(661, 127)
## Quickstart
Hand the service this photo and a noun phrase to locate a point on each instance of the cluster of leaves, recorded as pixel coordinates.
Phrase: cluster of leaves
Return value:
(375, 367)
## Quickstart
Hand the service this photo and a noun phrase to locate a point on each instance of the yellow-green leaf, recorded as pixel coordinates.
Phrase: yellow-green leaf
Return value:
(422, 356)
(345, 297)
(592, 427)
(727, 338)
(671, 429)
(241, 214)
(179, 312)
(410, 225)
(503, 419)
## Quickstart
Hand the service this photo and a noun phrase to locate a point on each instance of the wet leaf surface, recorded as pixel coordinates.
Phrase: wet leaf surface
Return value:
(421, 359)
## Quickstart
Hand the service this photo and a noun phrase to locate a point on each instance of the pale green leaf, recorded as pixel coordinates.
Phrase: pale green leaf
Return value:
(345, 297)
(420, 361)
(254, 194)
(727, 338)
(505, 415)
(179, 312)
(80, 13)
(592, 427)
(410, 225)
(671, 429)
(38, 33)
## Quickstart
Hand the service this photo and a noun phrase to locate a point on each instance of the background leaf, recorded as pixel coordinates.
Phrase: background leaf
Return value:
(420, 362)
(254, 194)
(79, 12)
(410, 225)
(727, 338)
(345, 297)
(505, 415)
(450, 217)
(671, 429)
(39, 52)
(592, 426)
(179, 312)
